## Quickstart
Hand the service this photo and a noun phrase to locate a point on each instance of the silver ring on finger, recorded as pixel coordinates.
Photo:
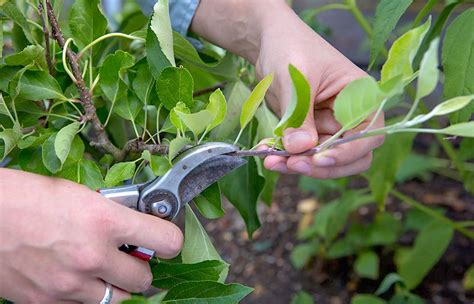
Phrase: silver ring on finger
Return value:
(107, 299)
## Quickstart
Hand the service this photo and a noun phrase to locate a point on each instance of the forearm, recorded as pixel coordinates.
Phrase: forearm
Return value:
(238, 25)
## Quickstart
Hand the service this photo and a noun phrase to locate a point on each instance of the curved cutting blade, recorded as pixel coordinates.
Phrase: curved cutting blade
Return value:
(206, 174)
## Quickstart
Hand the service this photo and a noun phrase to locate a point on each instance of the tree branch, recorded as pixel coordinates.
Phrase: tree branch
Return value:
(101, 139)
(46, 39)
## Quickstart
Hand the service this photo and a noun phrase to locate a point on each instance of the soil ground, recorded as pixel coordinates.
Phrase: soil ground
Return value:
(264, 262)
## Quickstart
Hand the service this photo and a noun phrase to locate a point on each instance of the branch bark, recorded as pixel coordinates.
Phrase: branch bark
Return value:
(101, 139)
(46, 39)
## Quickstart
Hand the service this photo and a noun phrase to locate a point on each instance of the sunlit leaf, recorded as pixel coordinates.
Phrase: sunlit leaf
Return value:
(387, 14)
(85, 172)
(465, 129)
(446, 107)
(119, 172)
(158, 163)
(196, 122)
(357, 101)
(161, 26)
(176, 145)
(402, 53)
(429, 74)
(255, 99)
(63, 141)
(217, 107)
(10, 9)
(299, 105)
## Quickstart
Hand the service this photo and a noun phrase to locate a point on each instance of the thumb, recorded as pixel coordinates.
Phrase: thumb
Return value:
(298, 140)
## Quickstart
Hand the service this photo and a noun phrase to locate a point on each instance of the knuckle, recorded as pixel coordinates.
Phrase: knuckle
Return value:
(144, 283)
(90, 260)
(64, 285)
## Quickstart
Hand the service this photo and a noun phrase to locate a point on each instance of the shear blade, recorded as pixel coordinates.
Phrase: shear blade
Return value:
(206, 174)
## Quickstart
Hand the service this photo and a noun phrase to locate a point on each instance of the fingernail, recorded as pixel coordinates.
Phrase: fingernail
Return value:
(298, 138)
(324, 161)
(302, 167)
(280, 167)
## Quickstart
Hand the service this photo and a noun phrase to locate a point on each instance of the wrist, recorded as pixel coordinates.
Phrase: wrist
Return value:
(237, 25)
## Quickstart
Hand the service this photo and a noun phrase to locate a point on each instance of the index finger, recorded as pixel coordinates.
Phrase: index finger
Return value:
(145, 230)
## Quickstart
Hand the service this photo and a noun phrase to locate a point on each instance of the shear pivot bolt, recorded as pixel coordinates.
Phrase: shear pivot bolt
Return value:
(161, 208)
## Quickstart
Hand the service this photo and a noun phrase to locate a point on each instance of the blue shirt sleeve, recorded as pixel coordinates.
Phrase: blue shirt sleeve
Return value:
(181, 13)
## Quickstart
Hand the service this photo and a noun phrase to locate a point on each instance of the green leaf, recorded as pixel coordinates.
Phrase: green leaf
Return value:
(119, 172)
(8, 140)
(38, 85)
(465, 129)
(154, 55)
(196, 122)
(161, 25)
(217, 106)
(128, 107)
(158, 163)
(357, 101)
(367, 265)
(167, 276)
(367, 299)
(175, 85)
(406, 298)
(387, 15)
(388, 281)
(209, 202)
(112, 72)
(63, 141)
(206, 292)
(299, 105)
(30, 54)
(255, 99)
(1, 39)
(302, 254)
(384, 230)
(197, 245)
(402, 53)
(429, 246)
(390, 156)
(143, 84)
(446, 107)
(302, 298)
(84, 171)
(458, 61)
(237, 93)
(429, 74)
(468, 281)
(86, 22)
(9, 9)
(176, 145)
(246, 177)
(50, 159)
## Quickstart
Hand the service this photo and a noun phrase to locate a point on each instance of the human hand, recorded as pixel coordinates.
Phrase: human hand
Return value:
(59, 242)
(291, 41)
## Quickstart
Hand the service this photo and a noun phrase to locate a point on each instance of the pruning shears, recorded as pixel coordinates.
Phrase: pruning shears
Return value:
(192, 172)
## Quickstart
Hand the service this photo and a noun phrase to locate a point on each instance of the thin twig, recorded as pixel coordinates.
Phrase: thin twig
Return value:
(220, 85)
